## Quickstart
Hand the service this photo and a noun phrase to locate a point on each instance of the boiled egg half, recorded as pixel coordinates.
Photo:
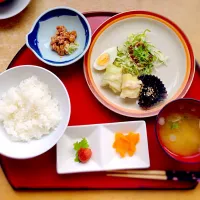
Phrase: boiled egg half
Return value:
(106, 58)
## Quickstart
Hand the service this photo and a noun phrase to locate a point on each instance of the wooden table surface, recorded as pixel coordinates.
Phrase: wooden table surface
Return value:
(12, 37)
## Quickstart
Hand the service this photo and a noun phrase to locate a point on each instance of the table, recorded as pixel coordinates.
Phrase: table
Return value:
(12, 36)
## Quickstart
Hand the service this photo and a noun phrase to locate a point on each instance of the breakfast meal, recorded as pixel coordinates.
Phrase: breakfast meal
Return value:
(180, 133)
(128, 70)
(63, 42)
(126, 143)
(29, 111)
(83, 152)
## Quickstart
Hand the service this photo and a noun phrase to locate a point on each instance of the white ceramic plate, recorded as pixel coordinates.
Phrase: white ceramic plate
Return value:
(100, 138)
(165, 35)
(12, 78)
(11, 8)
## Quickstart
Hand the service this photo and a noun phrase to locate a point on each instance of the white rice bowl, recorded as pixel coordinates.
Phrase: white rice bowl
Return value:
(34, 111)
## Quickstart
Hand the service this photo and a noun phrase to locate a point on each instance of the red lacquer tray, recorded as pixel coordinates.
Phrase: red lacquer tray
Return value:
(40, 172)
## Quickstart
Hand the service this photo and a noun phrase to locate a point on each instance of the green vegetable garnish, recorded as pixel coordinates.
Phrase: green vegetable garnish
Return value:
(77, 145)
(70, 48)
(137, 56)
(174, 125)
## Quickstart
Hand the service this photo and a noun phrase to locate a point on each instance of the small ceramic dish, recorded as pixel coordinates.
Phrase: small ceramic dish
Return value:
(10, 8)
(21, 150)
(100, 138)
(190, 106)
(39, 38)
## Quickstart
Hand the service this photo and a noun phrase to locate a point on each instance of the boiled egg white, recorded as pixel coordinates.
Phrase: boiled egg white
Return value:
(106, 58)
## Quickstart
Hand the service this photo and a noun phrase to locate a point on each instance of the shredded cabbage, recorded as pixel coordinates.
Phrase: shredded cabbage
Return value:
(137, 56)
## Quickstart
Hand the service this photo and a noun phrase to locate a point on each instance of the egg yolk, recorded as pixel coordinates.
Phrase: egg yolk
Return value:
(103, 59)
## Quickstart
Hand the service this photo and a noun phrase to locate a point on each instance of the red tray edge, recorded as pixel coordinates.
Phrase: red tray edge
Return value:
(87, 14)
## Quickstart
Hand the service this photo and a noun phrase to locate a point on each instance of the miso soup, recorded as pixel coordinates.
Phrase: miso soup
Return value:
(180, 133)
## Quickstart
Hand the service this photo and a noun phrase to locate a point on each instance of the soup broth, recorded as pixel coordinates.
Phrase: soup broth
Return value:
(180, 133)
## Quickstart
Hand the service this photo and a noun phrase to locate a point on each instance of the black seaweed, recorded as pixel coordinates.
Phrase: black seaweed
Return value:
(152, 91)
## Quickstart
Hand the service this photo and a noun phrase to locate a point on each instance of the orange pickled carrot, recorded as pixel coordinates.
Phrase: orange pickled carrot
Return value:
(126, 143)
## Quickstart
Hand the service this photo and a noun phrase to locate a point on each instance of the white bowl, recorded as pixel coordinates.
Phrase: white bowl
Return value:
(21, 150)
(39, 38)
(11, 8)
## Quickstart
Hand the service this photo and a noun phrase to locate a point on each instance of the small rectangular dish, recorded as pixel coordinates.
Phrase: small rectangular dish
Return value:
(104, 157)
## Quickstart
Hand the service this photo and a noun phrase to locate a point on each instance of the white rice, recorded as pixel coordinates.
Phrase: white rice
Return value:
(28, 111)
